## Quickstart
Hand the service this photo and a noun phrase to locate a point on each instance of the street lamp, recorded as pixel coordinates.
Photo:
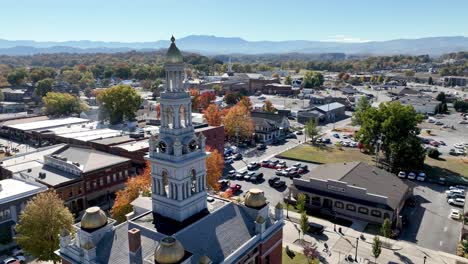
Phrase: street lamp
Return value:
(355, 254)
(425, 259)
(334, 220)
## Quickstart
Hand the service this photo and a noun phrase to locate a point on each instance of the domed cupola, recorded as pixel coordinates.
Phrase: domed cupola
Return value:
(173, 53)
(255, 198)
(94, 218)
(169, 251)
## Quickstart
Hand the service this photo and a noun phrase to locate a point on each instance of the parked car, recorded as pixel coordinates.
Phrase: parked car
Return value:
(10, 260)
(249, 175)
(299, 132)
(279, 172)
(271, 181)
(434, 143)
(459, 145)
(455, 191)
(402, 174)
(256, 177)
(252, 165)
(228, 160)
(453, 152)
(237, 156)
(232, 173)
(438, 123)
(279, 184)
(455, 214)
(441, 142)
(240, 175)
(457, 202)
(455, 195)
(458, 187)
(316, 229)
(265, 163)
(223, 184)
(412, 176)
(235, 187)
(297, 164)
(421, 176)
(326, 141)
(261, 147)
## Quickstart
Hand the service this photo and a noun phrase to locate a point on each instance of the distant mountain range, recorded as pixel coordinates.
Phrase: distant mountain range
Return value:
(212, 45)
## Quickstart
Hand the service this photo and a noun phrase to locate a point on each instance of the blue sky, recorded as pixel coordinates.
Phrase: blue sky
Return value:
(149, 20)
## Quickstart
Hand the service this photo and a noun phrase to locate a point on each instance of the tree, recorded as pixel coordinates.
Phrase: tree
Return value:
(393, 128)
(275, 75)
(312, 253)
(237, 122)
(386, 229)
(245, 101)
(62, 104)
(17, 77)
(88, 92)
(231, 98)
(214, 169)
(301, 202)
(43, 87)
(217, 88)
(376, 248)
(40, 223)
(433, 153)
(120, 102)
(288, 80)
(304, 223)
(460, 106)
(441, 97)
(41, 73)
(213, 115)
(133, 187)
(463, 248)
(409, 73)
(122, 71)
(313, 79)
(430, 81)
(312, 130)
(361, 107)
(2, 96)
(268, 107)
(204, 100)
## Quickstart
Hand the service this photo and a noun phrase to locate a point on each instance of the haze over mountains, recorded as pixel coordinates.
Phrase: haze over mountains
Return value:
(212, 45)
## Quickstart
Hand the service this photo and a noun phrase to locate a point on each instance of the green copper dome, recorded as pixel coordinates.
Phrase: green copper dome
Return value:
(173, 53)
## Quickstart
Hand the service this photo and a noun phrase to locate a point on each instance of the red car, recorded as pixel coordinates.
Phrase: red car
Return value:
(235, 187)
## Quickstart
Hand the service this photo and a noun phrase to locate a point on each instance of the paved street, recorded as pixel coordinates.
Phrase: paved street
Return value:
(342, 245)
(429, 224)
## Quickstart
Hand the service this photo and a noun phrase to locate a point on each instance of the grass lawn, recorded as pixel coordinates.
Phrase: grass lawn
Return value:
(298, 258)
(325, 154)
(450, 168)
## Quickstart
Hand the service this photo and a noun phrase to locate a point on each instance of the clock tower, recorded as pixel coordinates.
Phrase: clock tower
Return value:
(177, 156)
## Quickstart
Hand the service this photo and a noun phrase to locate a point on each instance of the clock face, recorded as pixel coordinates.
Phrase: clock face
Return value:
(162, 146)
(193, 145)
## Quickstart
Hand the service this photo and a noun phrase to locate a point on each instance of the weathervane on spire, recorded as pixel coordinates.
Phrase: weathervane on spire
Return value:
(172, 38)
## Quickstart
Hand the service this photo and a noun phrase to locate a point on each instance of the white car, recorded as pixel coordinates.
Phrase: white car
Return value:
(430, 120)
(459, 151)
(455, 214)
(459, 146)
(412, 176)
(232, 173)
(455, 191)
(458, 187)
(421, 176)
(402, 174)
(457, 202)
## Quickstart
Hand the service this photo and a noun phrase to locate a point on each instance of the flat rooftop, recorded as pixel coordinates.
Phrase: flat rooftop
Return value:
(13, 189)
(44, 124)
(134, 146)
(91, 135)
(53, 177)
(25, 158)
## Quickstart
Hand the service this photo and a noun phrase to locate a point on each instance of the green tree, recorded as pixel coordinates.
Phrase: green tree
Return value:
(460, 106)
(376, 248)
(409, 73)
(231, 98)
(312, 130)
(2, 96)
(313, 79)
(304, 223)
(43, 87)
(362, 106)
(430, 81)
(119, 102)
(441, 97)
(288, 80)
(268, 107)
(393, 128)
(463, 248)
(301, 202)
(386, 228)
(17, 77)
(62, 104)
(40, 224)
(122, 71)
(217, 88)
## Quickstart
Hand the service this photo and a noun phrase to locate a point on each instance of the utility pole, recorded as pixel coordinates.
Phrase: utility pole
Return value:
(425, 259)
(357, 243)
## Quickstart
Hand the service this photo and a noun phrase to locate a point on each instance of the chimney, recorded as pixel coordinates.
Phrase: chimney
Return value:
(134, 246)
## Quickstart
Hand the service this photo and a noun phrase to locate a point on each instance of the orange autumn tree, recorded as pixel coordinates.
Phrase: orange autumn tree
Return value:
(214, 169)
(238, 120)
(158, 111)
(133, 187)
(213, 115)
(245, 101)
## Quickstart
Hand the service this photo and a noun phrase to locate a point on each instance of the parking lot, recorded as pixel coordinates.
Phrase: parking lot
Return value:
(273, 195)
(429, 224)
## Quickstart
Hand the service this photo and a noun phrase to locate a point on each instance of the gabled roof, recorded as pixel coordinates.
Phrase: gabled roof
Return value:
(329, 107)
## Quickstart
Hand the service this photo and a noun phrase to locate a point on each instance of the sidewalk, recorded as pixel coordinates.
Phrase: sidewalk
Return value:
(342, 245)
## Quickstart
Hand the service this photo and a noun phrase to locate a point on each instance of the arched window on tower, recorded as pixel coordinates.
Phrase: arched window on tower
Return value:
(169, 117)
(165, 184)
(183, 121)
(194, 181)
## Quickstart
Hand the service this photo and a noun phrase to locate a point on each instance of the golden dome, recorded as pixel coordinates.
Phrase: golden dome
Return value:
(204, 260)
(260, 219)
(173, 53)
(93, 218)
(169, 250)
(255, 198)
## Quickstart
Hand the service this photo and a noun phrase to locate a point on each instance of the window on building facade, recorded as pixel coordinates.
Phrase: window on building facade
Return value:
(101, 181)
(94, 184)
(114, 177)
(351, 207)
(363, 210)
(108, 179)
(316, 200)
(88, 186)
(5, 214)
(376, 213)
(70, 193)
(339, 205)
